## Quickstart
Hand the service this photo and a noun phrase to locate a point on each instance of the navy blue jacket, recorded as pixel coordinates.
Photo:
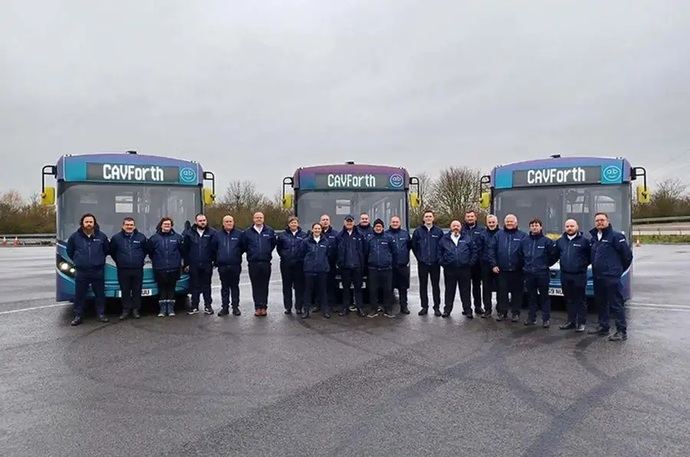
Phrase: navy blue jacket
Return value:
(165, 250)
(88, 252)
(475, 233)
(128, 250)
(611, 256)
(380, 251)
(507, 255)
(486, 245)
(332, 236)
(403, 244)
(425, 244)
(259, 246)
(574, 254)
(538, 253)
(227, 247)
(289, 246)
(197, 249)
(367, 231)
(316, 255)
(350, 249)
(463, 255)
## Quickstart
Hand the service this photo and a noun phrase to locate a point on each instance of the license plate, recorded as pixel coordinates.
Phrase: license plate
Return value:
(144, 293)
(557, 291)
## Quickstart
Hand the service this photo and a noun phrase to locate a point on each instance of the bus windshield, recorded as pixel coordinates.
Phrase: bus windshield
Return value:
(554, 205)
(338, 204)
(110, 203)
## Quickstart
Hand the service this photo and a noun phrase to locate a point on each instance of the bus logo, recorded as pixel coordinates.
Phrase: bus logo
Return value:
(397, 180)
(611, 174)
(187, 175)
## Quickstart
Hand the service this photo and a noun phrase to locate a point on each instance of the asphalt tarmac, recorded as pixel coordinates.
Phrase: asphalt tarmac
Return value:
(246, 386)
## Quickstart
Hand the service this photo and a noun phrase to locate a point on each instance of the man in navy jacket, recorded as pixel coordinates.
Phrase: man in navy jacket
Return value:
(258, 241)
(289, 247)
(611, 258)
(227, 248)
(350, 261)
(486, 245)
(401, 269)
(87, 248)
(457, 253)
(538, 254)
(128, 250)
(380, 253)
(425, 241)
(471, 226)
(199, 257)
(507, 262)
(573, 251)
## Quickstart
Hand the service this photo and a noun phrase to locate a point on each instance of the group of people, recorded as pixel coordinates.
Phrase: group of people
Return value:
(476, 261)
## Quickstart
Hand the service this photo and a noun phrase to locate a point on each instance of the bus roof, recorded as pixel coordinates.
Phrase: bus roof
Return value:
(557, 171)
(128, 168)
(340, 176)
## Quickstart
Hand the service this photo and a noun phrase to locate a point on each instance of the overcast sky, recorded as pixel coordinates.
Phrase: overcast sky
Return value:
(254, 89)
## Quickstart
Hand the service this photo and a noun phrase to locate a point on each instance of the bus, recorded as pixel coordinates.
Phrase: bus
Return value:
(350, 188)
(113, 186)
(561, 188)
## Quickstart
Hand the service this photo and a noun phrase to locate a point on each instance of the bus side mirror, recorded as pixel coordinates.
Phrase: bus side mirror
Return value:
(485, 201)
(644, 196)
(209, 197)
(48, 196)
(415, 201)
(287, 201)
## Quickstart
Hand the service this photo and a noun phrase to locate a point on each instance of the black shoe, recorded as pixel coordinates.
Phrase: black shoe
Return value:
(326, 315)
(464, 313)
(501, 317)
(361, 313)
(208, 310)
(306, 313)
(479, 311)
(102, 318)
(445, 314)
(580, 328)
(515, 318)
(423, 312)
(316, 309)
(388, 314)
(298, 311)
(469, 315)
(486, 314)
(76, 321)
(437, 312)
(567, 326)
(530, 323)
(546, 324)
(352, 308)
(618, 336)
(236, 311)
(373, 314)
(223, 312)
(404, 309)
(343, 312)
(288, 311)
(601, 331)
(124, 315)
(135, 314)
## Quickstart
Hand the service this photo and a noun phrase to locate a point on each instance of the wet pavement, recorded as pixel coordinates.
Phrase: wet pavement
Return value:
(206, 385)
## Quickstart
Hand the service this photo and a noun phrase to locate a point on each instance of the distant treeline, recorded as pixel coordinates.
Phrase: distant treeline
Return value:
(450, 194)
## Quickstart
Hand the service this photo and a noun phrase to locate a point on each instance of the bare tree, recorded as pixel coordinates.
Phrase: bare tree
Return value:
(455, 191)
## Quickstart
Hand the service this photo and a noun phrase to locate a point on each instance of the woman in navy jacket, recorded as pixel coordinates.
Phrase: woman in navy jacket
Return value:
(165, 250)
(316, 250)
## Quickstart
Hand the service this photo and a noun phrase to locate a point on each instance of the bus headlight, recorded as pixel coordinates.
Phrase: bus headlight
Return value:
(64, 266)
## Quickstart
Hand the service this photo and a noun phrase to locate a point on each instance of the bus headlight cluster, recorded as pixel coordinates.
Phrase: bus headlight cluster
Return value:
(66, 267)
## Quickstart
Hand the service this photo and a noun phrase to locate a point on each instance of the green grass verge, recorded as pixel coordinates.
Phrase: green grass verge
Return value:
(662, 239)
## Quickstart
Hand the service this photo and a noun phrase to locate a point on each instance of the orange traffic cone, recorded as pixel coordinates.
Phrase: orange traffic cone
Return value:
(637, 243)
(16, 241)
(4, 241)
